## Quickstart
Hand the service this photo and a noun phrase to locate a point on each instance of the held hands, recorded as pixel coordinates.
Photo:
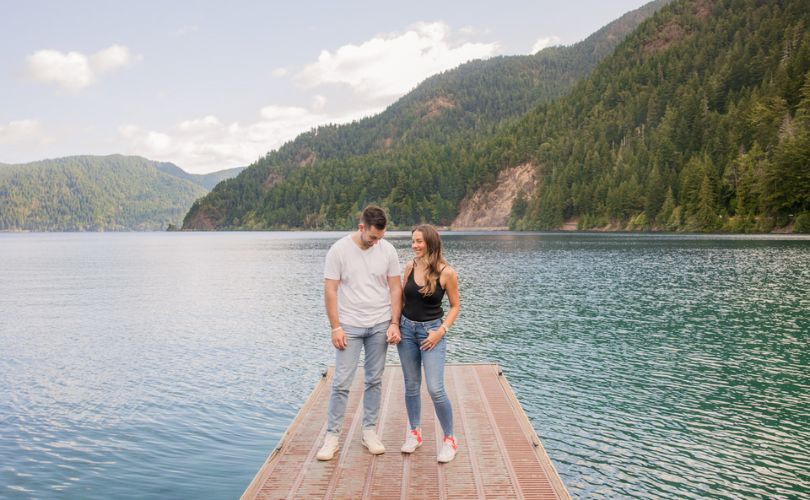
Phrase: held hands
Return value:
(393, 334)
(434, 336)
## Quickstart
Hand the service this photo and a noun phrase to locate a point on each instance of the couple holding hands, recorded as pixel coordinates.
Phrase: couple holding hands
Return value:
(369, 307)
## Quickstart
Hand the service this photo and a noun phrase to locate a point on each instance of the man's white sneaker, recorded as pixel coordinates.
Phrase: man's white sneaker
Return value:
(412, 442)
(448, 451)
(330, 446)
(372, 442)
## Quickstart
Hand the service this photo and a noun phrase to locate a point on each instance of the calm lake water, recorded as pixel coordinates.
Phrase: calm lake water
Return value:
(167, 365)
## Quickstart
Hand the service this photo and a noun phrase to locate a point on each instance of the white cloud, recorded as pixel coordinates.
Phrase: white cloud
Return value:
(158, 142)
(542, 43)
(207, 144)
(22, 131)
(391, 65)
(71, 71)
(375, 72)
(74, 71)
(199, 125)
(318, 102)
(129, 131)
(283, 113)
(109, 59)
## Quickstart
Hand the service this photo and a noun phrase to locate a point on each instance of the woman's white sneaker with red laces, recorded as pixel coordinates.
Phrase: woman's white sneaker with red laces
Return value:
(448, 451)
(412, 442)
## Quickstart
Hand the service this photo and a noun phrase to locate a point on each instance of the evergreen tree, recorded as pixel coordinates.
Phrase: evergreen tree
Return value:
(665, 214)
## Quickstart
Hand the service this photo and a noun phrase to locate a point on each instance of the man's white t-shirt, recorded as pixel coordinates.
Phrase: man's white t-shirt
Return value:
(364, 299)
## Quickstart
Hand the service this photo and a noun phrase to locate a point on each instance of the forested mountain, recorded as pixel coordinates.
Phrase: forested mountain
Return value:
(95, 193)
(208, 181)
(700, 121)
(415, 156)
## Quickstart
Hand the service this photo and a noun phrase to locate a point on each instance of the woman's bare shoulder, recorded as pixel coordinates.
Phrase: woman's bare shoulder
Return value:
(448, 272)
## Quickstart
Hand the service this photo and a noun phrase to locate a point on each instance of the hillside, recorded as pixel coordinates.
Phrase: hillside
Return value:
(92, 193)
(208, 181)
(413, 157)
(700, 121)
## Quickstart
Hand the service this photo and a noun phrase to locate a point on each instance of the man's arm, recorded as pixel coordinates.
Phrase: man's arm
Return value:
(395, 289)
(330, 288)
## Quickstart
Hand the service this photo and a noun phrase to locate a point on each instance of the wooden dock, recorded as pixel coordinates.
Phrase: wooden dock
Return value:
(500, 455)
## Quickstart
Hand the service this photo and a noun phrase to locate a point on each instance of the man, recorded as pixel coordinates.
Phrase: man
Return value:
(363, 297)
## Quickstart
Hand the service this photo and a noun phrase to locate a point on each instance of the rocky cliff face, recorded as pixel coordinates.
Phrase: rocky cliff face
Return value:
(489, 207)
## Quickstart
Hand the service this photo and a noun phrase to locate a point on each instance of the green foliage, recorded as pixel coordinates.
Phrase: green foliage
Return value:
(87, 193)
(664, 218)
(208, 181)
(802, 224)
(700, 120)
(520, 206)
(639, 222)
(418, 158)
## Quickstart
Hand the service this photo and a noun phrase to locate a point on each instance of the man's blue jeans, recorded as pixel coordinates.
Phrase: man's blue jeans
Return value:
(412, 359)
(375, 343)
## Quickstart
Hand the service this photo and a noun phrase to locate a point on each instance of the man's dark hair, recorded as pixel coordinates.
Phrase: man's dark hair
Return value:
(374, 216)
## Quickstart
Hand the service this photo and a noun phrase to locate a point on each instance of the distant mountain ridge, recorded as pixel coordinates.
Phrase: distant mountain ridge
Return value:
(208, 181)
(98, 193)
(321, 177)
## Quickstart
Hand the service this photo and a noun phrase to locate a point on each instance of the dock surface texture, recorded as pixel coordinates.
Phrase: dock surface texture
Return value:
(499, 454)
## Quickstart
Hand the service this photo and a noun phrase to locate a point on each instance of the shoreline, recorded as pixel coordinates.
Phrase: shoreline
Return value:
(443, 229)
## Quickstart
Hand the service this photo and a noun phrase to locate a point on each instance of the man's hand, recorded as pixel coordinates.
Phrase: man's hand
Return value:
(339, 338)
(393, 334)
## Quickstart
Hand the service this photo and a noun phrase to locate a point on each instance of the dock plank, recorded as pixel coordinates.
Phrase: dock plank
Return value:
(500, 455)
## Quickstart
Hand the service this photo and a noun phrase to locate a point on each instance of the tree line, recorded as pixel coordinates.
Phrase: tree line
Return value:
(699, 122)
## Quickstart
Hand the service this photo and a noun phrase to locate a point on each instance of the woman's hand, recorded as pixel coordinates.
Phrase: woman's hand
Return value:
(434, 336)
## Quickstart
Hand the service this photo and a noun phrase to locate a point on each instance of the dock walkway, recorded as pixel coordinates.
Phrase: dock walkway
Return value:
(500, 455)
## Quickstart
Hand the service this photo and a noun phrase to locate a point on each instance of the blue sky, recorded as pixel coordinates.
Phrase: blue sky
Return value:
(213, 85)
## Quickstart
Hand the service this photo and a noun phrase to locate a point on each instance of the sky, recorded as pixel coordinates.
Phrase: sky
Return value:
(210, 85)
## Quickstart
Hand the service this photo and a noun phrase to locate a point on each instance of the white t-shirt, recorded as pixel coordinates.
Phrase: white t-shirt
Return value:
(364, 299)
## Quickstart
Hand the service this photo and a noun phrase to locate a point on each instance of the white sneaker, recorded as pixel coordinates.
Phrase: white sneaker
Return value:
(372, 442)
(448, 451)
(330, 446)
(413, 441)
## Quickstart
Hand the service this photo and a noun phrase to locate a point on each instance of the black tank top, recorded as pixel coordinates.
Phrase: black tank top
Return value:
(419, 307)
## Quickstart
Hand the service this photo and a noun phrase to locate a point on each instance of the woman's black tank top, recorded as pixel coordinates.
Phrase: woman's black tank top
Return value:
(419, 307)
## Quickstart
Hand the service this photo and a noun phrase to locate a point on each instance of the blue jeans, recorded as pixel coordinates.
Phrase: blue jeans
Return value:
(412, 360)
(375, 343)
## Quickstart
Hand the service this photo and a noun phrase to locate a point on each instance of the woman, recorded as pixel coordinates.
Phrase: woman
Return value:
(428, 278)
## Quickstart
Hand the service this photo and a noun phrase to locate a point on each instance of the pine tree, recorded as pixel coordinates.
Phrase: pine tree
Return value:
(706, 213)
(665, 214)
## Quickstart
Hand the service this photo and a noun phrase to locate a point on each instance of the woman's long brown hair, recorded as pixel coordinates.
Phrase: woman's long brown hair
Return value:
(433, 257)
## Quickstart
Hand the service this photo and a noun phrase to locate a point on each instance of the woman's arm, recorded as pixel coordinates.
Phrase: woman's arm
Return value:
(451, 288)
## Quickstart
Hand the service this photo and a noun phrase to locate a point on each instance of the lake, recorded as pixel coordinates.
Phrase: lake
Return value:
(168, 365)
